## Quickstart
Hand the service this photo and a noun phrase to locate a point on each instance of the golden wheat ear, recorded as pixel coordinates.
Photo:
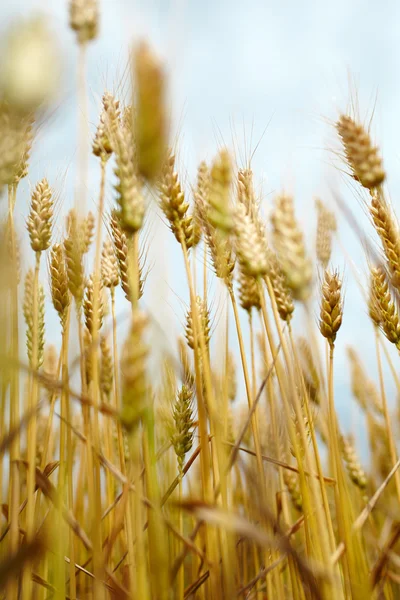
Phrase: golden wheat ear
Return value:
(289, 245)
(219, 213)
(39, 223)
(133, 372)
(59, 282)
(74, 249)
(384, 306)
(182, 433)
(362, 157)
(388, 231)
(150, 123)
(109, 265)
(84, 19)
(326, 226)
(175, 205)
(353, 465)
(331, 306)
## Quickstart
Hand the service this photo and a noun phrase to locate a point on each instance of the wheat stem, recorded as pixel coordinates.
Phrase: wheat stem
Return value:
(14, 496)
(392, 447)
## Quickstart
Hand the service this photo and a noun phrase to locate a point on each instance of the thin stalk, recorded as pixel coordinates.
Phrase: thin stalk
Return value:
(121, 450)
(181, 572)
(66, 405)
(33, 396)
(95, 388)
(315, 447)
(65, 481)
(248, 386)
(83, 132)
(14, 496)
(93, 472)
(205, 377)
(159, 574)
(250, 393)
(392, 446)
(354, 563)
(309, 521)
(141, 574)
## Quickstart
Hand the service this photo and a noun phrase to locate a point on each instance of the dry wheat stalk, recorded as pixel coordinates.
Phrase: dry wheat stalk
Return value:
(87, 356)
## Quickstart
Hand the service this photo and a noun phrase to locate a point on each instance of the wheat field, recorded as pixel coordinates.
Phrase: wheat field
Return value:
(211, 464)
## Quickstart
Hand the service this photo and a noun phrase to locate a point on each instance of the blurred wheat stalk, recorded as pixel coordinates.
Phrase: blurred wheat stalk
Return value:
(131, 485)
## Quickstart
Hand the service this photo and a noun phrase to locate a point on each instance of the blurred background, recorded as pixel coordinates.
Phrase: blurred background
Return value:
(268, 79)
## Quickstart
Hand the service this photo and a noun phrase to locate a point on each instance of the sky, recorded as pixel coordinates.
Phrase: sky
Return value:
(258, 76)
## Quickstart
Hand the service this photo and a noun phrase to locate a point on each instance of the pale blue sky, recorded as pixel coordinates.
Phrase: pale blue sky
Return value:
(279, 67)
